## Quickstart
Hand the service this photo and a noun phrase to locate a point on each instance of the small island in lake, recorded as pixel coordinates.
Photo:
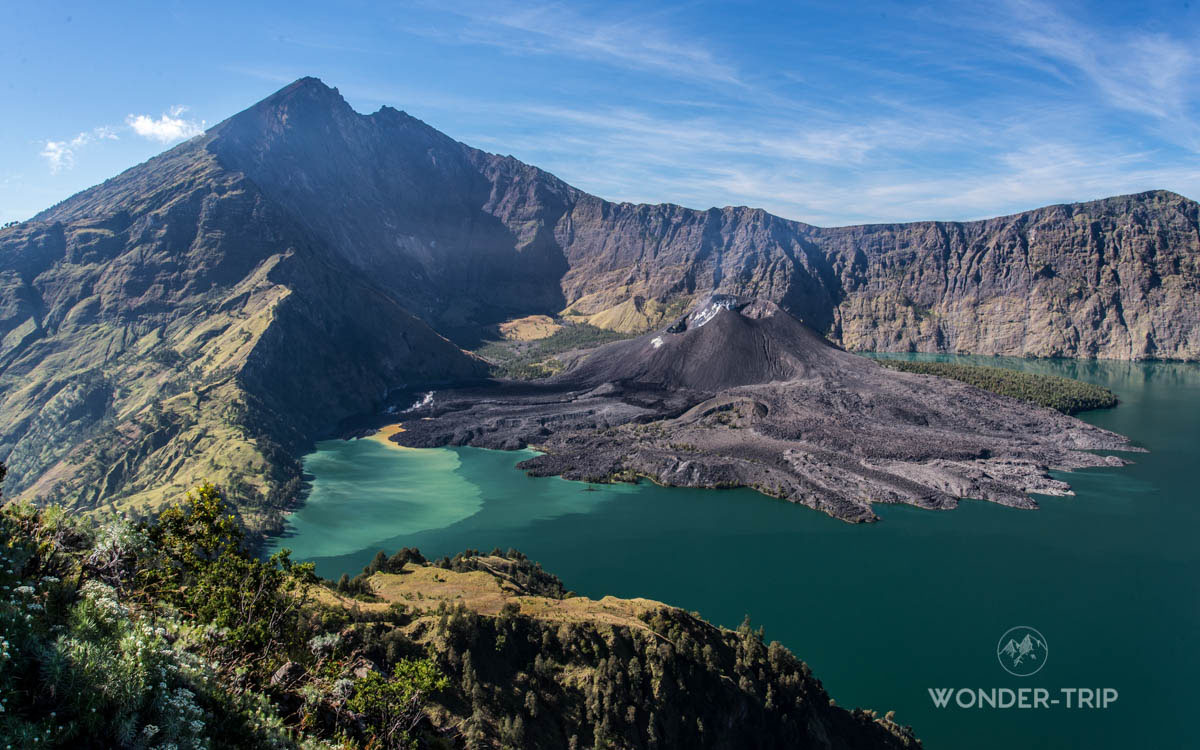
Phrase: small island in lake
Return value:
(741, 393)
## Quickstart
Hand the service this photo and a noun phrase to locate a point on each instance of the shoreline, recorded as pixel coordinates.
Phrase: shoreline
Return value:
(384, 436)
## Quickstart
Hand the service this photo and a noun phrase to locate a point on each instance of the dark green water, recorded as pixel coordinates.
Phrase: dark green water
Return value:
(881, 612)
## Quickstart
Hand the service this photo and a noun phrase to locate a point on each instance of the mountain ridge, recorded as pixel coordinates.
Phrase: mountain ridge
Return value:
(208, 313)
(863, 285)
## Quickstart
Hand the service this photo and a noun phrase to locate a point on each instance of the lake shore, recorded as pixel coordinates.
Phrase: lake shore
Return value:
(384, 436)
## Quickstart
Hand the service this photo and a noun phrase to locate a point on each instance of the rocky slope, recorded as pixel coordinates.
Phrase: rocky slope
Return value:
(458, 236)
(1117, 278)
(173, 325)
(208, 313)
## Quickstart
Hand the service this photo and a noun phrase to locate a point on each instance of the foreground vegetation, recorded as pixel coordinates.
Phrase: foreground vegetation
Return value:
(1063, 394)
(167, 633)
(527, 360)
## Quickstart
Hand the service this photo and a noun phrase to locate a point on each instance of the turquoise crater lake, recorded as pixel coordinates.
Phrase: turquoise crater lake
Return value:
(881, 612)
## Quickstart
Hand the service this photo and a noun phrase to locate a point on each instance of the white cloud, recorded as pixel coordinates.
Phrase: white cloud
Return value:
(60, 155)
(170, 126)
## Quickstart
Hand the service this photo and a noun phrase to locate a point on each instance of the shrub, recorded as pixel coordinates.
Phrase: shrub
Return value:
(393, 708)
(200, 564)
(1063, 394)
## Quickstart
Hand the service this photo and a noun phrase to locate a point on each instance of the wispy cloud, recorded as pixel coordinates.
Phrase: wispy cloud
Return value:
(169, 127)
(828, 141)
(60, 155)
(1150, 73)
(1037, 106)
(1030, 175)
(1042, 174)
(901, 164)
(633, 42)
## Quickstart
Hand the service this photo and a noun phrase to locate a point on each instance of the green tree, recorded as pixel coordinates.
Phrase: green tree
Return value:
(393, 708)
(199, 564)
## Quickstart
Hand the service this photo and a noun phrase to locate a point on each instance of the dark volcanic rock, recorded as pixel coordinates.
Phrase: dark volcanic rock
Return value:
(740, 393)
(725, 343)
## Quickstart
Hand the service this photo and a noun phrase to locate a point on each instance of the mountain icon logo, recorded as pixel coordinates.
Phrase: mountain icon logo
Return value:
(1022, 651)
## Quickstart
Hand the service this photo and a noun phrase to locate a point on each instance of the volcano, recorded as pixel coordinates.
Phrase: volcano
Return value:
(727, 341)
(739, 392)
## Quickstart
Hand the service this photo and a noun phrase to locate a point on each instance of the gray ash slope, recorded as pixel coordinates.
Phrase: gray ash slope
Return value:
(741, 393)
(726, 342)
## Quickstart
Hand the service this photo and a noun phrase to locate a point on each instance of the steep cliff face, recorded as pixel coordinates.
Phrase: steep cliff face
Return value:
(1116, 278)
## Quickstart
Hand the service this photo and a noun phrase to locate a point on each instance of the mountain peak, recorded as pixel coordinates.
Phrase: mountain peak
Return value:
(306, 105)
(310, 91)
(308, 85)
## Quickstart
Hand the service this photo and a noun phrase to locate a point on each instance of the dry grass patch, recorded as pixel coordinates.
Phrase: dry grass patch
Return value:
(422, 589)
(529, 328)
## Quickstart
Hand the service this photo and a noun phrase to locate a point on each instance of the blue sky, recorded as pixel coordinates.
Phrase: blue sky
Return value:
(827, 112)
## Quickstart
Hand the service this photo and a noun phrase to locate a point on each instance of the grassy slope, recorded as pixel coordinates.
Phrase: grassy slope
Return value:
(171, 327)
(426, 589)
(581, 672)
(529, 328)
(130, 406)
(529, 359)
